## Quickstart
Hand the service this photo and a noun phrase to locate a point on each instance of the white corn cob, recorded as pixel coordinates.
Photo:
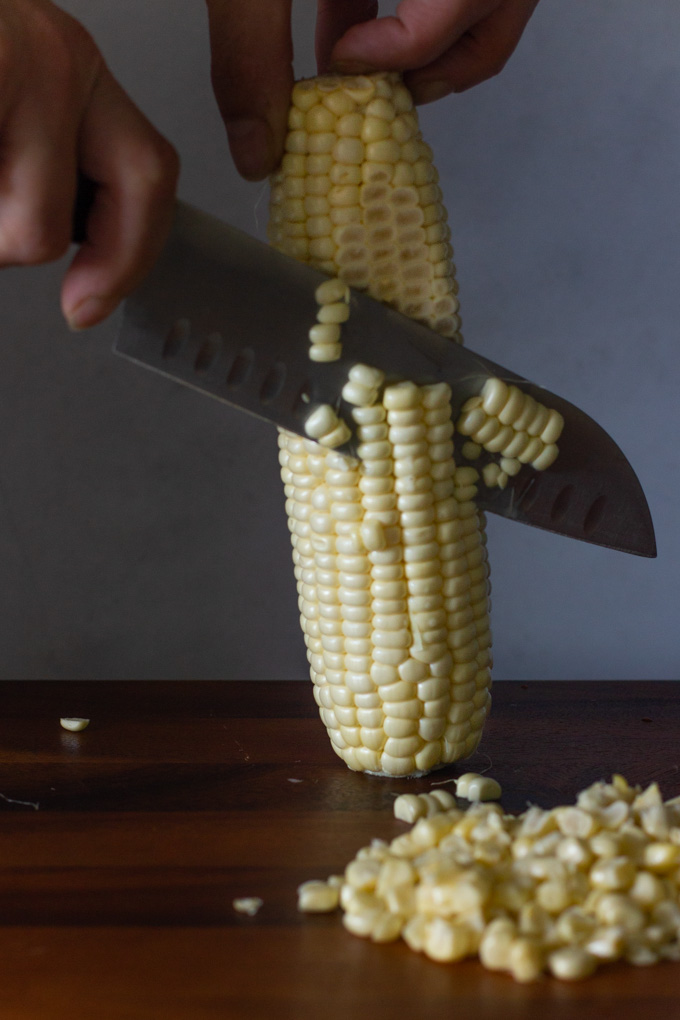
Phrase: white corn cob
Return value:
(389, 553)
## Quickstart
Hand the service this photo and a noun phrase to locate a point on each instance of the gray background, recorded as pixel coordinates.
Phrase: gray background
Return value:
(142, 531)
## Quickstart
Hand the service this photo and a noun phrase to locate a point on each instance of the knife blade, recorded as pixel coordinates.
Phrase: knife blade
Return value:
(228, 315)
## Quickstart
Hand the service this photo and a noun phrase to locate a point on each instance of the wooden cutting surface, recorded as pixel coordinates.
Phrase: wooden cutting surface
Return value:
(123, 847)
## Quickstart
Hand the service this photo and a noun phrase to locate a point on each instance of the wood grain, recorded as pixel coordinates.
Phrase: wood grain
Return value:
(122, 848)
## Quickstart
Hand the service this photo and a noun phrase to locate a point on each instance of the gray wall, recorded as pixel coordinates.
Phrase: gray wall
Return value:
(142, 531)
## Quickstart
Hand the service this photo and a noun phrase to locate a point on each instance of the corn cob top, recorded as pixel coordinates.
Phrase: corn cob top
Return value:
(357, 196)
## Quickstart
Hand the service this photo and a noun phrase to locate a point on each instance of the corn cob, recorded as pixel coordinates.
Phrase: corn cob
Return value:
(389, 554)
(559, 891)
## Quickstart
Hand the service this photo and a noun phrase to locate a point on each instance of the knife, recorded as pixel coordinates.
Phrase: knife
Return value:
(228, 315)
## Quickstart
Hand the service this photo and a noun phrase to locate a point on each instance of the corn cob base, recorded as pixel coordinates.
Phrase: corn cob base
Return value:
(389, 553)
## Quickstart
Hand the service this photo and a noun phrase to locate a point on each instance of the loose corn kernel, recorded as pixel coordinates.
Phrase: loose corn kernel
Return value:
(446, 940)
(571, 963)
(325, 352)
(573, 926)
(325, 333)
(647, 890)
(409, 807)
(249, 905)
(525, 959)
(574, 821)
(608, 943)
(617, 909)
(337, 436)
(316, 897)
(612, 873)
(73, 724)
(495, 944)
(321, 421)
(474, 787)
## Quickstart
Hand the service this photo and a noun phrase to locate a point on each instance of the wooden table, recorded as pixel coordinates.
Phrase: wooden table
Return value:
(123, 847)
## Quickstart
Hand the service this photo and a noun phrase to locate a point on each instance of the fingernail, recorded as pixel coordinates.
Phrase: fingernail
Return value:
(90, 311)
(251, 147)
(430, 91)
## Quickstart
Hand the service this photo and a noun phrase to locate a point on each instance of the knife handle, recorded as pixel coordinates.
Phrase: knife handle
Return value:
(85, 195)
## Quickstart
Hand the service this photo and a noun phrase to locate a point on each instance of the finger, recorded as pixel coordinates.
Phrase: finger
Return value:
(252, 75)
(37, 188)
(420, 32)
(333, 20)
(479, 54)
(37, 179)
(136, 171)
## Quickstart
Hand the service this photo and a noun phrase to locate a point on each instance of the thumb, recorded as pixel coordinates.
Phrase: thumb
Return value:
(252, 78)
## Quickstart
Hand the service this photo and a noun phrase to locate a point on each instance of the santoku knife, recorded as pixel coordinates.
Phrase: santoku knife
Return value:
(228, 315)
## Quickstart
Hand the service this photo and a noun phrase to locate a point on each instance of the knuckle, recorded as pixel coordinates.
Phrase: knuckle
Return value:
(43, 247)
(28, 242)
(157, 166)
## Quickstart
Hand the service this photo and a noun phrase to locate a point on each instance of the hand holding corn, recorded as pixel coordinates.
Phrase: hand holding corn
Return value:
(442, 46)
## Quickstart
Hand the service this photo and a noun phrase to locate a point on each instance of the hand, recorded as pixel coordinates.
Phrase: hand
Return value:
(442, 46)
(61, 112)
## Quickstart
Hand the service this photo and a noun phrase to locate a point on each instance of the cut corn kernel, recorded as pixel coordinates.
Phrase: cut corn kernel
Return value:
(317, 897)
(249, 905)
(503, 420)
(321, 421)
(474, 787)
(409, 807)
(73, 724)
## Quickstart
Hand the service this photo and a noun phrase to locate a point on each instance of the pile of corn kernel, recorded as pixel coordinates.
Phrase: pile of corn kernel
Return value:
(560, 891)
